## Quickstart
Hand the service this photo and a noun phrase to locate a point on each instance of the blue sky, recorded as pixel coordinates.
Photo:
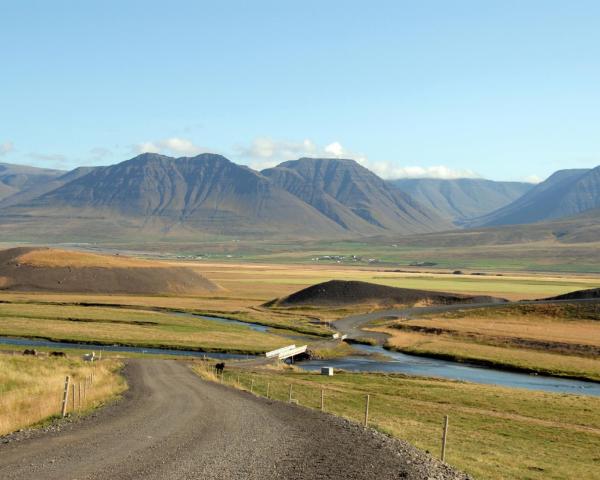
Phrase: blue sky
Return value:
(501, 89)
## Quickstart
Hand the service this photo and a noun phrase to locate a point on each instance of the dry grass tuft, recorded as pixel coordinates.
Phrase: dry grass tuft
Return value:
(31, 388)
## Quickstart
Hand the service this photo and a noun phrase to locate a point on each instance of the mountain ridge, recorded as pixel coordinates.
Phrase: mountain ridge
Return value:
(208, 194)
(565, 193)
(464, 198)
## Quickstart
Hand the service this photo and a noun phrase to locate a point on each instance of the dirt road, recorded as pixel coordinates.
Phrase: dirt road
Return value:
(172, 425)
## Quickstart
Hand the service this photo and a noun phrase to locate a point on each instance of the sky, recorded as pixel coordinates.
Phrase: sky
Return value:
(506, 90)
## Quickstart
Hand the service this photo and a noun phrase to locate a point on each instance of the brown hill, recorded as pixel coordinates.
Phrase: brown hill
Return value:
(45, 269)
(592, 293)
(341, 293)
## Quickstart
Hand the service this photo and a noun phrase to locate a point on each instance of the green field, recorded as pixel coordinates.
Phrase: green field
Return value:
(130, 327)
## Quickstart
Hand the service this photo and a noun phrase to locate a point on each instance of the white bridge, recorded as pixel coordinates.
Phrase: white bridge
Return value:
(286, 352)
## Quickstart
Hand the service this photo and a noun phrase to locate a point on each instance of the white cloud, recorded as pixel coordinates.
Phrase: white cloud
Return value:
(6, 147)
(265, 152)
(265, 149)
(388, 170)
(170, 146)
(335, 149)
(533, 179)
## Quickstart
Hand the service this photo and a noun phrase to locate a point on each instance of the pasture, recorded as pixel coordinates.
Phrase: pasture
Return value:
(109, 325)
(558, 339)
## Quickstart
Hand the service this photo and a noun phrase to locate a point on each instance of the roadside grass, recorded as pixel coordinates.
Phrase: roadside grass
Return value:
(31, 388)
(130, 327)
(495, 433)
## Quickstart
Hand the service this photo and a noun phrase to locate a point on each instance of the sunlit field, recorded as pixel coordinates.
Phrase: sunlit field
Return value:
(31, 388)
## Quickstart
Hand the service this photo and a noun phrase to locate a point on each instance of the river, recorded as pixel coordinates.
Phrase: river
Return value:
(383, 361)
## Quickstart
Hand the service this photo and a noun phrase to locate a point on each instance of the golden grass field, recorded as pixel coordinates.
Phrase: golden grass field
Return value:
(31, 388)
(495, 433)
(553, 339)
(75, 259)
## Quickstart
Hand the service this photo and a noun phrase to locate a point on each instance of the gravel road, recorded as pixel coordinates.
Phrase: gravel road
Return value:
(172, 425)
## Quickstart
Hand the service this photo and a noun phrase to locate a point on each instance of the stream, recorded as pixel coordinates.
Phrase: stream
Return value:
(383, 361)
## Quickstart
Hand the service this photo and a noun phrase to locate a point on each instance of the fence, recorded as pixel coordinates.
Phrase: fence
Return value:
(362, 407)
(45, 395)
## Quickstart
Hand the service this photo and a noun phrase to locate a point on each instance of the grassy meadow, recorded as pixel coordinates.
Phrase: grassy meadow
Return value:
(31, 388)
(558, 339)
(495, 433)
(129, 327)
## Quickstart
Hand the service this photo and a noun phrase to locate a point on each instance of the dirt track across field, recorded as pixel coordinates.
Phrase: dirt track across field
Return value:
(172, 425)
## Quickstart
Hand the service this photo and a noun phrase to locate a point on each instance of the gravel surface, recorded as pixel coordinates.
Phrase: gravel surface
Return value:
(172, 425)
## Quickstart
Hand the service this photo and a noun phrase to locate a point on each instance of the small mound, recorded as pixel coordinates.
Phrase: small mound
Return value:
(341, 293)
(578, 295)
(51, 270)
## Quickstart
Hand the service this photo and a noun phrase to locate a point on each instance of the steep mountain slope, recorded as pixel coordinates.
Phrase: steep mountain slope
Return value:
(462, 198)
(16, 178)
(565, 193)
(353, 197)
(161, 195)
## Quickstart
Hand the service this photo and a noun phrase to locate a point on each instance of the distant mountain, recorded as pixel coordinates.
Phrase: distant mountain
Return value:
(565, 193)
(463, 198)
(162, 195)
(16, 178)
(36, 189)
(157, 197)
(354, 197)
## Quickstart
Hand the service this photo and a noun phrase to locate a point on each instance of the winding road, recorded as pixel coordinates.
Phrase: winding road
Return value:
(172, 425)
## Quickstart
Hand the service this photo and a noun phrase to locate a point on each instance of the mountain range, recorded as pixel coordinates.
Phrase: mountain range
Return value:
(155, 197)
(16, 178)
(463, 198)
(563, 194)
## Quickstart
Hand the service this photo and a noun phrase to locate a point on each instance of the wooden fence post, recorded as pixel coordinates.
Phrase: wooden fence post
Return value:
(79, 396)
(290, 395)
(251, 385)
(367, 411)
(322, 400)
(65, 397)
(444, 438)
(268, 387)
(73, 397)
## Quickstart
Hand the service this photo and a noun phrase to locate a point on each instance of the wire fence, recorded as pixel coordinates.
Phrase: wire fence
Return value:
(367, 409)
